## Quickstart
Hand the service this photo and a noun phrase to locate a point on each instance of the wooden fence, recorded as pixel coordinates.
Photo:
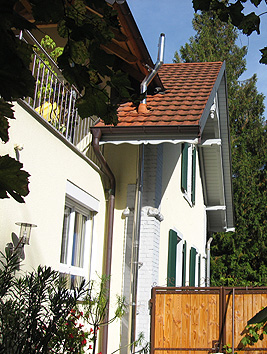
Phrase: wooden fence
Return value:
(203, 320)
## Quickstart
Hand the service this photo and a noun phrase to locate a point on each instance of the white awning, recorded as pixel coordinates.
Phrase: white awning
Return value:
(149, 141)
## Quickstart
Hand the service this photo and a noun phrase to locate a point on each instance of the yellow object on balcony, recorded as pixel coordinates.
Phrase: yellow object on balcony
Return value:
(49, 112)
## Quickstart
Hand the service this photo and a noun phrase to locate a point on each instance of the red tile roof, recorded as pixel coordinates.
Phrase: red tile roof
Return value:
(187, 89)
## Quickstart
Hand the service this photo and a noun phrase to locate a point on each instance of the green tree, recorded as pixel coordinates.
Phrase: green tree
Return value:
(233, 12)
(83, 62)
(237, 258)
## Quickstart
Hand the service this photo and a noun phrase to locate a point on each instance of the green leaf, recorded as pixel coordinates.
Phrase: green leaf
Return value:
(13, 180)
(261, 316)
(203, 5)
(255, 2)
(62, 29)
(263, 59)
(235, 12)
(5, 112)
(4, 128)
(245, 340)
(249, 24)
(94, 102)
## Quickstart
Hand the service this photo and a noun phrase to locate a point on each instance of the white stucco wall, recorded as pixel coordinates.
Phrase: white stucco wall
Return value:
(178, 214)
(50, 163)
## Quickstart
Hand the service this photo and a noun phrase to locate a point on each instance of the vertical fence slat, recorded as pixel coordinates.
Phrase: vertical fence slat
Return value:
(159, 320)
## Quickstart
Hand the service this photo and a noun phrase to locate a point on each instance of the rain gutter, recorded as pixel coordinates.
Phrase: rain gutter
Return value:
(96, 132)
(149, 129)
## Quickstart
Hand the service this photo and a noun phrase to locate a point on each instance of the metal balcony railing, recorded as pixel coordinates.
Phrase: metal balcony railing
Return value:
(55, 101)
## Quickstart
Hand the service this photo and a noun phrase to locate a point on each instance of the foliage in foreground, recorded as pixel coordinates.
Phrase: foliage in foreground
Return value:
(32, 307)
(39, 315)
(238, 258)
(255, 331)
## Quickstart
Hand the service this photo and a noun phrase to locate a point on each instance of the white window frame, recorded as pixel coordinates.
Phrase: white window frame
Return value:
(187, 192)
(79, 201)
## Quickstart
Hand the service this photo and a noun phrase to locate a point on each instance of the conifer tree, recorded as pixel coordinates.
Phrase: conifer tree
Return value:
(238, 258)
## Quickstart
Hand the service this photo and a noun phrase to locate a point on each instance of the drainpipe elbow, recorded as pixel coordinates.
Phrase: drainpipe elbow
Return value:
(96, 132)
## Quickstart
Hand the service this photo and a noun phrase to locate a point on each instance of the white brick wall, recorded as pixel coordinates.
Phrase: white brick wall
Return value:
(149, 244)
(149, 237)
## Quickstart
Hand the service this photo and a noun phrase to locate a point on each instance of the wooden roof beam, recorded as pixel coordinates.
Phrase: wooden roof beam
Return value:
(120, 52)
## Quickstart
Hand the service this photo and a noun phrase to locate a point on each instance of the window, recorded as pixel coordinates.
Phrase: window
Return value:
(77, 231)
(188, 180)
(76, 242)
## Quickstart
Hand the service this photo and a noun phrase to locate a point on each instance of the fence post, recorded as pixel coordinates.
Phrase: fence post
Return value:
(152, 326)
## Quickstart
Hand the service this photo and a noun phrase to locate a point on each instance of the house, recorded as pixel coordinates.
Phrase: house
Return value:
(172, 167)
(138, 201)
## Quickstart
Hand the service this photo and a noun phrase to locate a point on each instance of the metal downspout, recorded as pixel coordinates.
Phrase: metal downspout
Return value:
(136, 241)
(111, 205)
(208, 260)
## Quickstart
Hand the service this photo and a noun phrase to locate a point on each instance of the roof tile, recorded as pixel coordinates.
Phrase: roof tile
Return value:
(187, 89)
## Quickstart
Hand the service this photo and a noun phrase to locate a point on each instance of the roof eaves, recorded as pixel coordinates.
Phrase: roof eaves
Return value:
(212, 95)
(149, 132)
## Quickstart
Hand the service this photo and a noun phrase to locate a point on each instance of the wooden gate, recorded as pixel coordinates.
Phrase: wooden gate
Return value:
(192, 320)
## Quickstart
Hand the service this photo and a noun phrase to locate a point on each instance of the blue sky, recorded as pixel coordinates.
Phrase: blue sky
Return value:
(174, 18)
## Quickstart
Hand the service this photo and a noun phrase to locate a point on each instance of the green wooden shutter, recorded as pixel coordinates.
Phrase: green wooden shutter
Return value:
(171, 271)
(184, 166)
(192, 266)
(184, 264)
(193, 190)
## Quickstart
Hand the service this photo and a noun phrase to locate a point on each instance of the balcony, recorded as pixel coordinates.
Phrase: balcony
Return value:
(54, 100)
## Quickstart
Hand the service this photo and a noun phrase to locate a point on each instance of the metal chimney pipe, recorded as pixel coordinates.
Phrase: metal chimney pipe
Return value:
(147, 80)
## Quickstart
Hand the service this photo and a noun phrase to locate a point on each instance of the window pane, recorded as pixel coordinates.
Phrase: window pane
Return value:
(65, 236)
(78, 240)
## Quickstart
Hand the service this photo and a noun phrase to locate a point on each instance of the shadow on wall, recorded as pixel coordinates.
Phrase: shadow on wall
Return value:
(171, 155)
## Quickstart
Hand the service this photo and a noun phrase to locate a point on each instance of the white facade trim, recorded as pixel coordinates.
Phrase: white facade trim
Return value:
(82, 197)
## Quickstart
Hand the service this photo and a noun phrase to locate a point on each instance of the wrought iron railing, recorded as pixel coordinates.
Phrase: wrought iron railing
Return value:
(55, 101)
